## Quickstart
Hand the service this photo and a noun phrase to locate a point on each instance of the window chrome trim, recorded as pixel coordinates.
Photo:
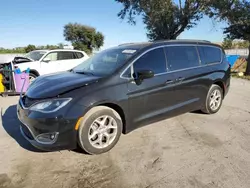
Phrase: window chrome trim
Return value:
(166, 45)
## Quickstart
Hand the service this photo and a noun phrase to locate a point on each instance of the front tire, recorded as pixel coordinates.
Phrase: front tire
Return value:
(32, 77)
(99, 130)
(214, 100)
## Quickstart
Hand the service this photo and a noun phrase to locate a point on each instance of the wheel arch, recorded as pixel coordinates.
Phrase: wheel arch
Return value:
(221, 84)
(33, 71)
(119, 110)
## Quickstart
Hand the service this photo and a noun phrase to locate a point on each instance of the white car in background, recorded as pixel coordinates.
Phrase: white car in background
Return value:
(42, 62)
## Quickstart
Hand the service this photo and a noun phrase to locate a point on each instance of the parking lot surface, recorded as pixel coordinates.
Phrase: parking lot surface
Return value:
(191, 150)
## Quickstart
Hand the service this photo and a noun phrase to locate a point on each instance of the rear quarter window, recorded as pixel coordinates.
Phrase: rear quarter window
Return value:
(209, 54)
(79, 55)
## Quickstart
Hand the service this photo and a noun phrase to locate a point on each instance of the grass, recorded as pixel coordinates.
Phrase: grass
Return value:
(235, 75)
(240, 66)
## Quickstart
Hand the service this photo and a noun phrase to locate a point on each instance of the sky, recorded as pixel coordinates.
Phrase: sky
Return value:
(41, 22)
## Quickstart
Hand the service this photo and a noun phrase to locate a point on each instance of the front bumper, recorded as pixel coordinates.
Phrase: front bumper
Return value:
(49, 132)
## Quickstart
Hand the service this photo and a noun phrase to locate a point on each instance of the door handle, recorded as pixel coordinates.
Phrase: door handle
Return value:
(169, 82)
(180, 79)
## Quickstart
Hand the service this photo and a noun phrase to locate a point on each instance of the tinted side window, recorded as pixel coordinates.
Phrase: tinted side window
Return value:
(209, 55)
(65, 55)
(153, 60)
(182, 57)
(79, 55)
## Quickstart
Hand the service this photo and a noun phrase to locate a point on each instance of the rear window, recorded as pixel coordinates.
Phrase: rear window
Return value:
(209, 55)
(181, 57)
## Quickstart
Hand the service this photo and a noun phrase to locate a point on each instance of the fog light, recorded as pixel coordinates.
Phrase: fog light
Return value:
(47, 138)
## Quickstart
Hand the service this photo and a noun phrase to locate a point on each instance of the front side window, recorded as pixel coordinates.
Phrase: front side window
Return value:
(105, 62)
(209, 55)
(53, 56)
(153, 60)
(181, 57)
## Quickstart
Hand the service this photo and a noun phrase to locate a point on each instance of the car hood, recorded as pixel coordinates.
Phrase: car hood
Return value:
(21, 59)
(55, 84)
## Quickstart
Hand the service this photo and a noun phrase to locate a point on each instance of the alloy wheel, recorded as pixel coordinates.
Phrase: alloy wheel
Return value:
(215, 99)
(102, 132)
(31, 79)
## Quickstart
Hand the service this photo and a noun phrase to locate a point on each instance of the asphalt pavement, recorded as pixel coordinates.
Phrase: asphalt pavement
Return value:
(192, 151)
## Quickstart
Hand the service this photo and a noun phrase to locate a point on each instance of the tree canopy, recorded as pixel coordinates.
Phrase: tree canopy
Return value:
(83, 37)
(227, 43)
(234, 44)
(164, 19)
(167, 19)
(237, 15)
(29, 48)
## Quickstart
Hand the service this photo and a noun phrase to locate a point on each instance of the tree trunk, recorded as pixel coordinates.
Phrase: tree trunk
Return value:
(248, 62)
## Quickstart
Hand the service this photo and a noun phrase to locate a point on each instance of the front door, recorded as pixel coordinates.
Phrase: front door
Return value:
(50, 63)
(153, 98)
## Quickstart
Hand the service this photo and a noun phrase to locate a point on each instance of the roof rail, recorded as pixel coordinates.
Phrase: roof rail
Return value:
(184, 40)
(125, 44)
(135, 43)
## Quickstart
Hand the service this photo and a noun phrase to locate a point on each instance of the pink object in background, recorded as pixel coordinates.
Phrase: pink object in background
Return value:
(21, 79)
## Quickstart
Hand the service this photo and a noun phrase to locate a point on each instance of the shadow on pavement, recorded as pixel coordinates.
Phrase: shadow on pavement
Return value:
(197, 112)
(12, 126)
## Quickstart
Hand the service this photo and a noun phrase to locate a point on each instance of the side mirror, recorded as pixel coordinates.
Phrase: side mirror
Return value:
(143, 74)
(46, 59)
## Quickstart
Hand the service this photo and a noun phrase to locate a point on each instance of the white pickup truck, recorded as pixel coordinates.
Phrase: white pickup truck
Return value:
(42, 62)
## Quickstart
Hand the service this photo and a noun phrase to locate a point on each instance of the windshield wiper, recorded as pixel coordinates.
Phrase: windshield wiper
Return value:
(83, 72)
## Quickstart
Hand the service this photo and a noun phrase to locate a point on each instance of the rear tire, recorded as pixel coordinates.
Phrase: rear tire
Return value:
(99, 130)
(214, 100)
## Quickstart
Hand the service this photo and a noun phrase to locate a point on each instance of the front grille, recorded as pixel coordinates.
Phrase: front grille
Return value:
(27, 102)
(26, 131)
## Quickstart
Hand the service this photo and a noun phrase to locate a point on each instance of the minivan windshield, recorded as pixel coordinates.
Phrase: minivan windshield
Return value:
(105, 62)
(35, 55)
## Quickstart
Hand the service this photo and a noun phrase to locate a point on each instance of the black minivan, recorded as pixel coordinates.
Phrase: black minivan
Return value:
(120, 89)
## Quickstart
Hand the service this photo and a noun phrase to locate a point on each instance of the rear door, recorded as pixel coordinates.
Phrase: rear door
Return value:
(67, 60)
(154, 98)
(184, 63)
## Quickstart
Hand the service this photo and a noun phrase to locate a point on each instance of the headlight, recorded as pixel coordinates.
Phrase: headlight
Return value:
(50, 105)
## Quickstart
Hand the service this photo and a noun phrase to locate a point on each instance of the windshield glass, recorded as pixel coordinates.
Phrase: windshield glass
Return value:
(105, 62)
(35, 55)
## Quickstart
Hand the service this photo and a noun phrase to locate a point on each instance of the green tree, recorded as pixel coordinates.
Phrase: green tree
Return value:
(243, 44)
(227, 43)
(51, 47)
(30, 48)
(83, 37)
(164, 19)
(60, 45)
(237, 15)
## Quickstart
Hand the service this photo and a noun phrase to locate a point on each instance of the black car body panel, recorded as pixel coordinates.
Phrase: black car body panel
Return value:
(165, 95)
(52, 85)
